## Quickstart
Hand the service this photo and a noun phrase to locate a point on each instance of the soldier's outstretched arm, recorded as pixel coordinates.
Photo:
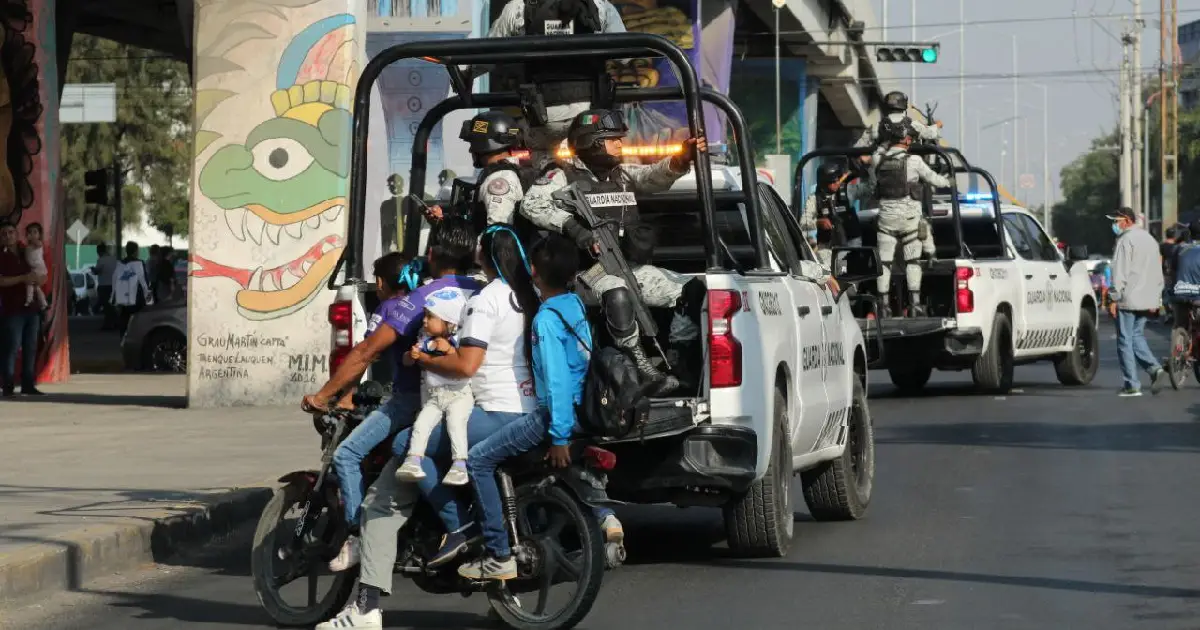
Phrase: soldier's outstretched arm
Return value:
(652, 178)
(928, 175)
(926, 132)
(501, 192)
(539, 207)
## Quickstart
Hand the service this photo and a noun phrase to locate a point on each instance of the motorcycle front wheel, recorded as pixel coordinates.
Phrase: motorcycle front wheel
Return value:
(276, 564)
(561, 543)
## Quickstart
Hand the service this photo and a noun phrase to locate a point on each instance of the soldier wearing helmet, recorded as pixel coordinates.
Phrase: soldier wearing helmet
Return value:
(594, 137)
(830, 210)
(895, 110)
(899, 179)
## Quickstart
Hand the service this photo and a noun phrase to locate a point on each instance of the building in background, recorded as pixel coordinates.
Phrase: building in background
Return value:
(1189, 51)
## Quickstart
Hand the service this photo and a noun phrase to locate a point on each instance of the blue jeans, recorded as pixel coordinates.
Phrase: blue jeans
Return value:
(396, 413)
(19, 332)
(517, 437)
(480, 426)
(1132, 349)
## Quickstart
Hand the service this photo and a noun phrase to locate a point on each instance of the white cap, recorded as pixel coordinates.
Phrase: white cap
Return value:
(447, 304)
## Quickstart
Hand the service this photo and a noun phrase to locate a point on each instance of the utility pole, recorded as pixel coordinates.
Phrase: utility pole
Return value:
(912, 28)
(962, 73)
(1135, 102)
(1126, 169)
(118, 185)
(1016, 115)
(1168, 81)
(1046, 159)
(884, 30)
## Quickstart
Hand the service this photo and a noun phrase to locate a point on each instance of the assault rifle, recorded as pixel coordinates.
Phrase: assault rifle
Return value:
(612, 260)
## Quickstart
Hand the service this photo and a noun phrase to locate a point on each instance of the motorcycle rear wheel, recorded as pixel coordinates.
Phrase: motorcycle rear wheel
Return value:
(583, 555)
(275, 532)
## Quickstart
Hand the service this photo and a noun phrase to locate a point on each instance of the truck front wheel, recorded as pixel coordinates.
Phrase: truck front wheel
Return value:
(840, 490)
(993, 370)
(760, 522)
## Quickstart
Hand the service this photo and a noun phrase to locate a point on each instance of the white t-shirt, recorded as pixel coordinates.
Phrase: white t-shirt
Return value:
(504, 381)
(128, 278)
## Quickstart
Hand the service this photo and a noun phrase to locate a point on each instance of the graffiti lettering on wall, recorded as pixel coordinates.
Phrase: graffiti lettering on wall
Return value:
(229, 357)
(282, 190)
(661, 123)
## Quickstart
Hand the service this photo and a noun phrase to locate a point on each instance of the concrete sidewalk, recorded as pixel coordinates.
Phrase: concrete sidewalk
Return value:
(109, 472)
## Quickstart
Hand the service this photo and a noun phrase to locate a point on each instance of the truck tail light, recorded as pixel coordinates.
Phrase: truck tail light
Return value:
(341, 322)
(724, 350)
(964, 297)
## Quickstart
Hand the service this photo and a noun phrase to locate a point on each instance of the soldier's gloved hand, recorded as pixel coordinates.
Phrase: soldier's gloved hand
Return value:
(582, 236)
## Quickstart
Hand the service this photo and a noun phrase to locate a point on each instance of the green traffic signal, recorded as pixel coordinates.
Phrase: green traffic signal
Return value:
(923, 53)
(929, 55)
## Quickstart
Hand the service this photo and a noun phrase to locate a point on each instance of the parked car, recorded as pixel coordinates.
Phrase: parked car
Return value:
(156, 340)
(86, 294)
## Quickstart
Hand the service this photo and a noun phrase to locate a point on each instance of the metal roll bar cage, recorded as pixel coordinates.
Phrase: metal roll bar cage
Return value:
(944, 157)
(487, 51)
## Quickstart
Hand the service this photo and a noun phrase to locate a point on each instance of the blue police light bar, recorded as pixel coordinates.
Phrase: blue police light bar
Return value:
(975, 197)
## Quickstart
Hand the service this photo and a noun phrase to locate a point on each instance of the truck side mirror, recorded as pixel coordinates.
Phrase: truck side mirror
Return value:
(852, 265)
(1076, 253)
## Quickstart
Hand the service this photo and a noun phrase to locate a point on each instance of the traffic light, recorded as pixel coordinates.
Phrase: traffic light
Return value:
(96, 186)
(925, 53)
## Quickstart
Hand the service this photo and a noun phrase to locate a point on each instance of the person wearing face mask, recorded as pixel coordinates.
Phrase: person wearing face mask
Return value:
(1136, 294)
(595, 139)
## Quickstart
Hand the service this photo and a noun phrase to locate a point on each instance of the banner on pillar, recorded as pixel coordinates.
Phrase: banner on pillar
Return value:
(29, 182)
(274, 89)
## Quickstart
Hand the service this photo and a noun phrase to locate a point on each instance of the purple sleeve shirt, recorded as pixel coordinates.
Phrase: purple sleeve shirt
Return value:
(406, 315)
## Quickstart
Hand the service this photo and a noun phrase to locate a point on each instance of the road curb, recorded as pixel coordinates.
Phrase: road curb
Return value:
(69, 562)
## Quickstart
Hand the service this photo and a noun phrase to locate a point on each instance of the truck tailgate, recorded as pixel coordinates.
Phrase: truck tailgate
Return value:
(667, 417)
(905, 327)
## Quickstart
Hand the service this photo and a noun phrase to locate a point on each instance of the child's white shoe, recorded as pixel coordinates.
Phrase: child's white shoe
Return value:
(411, 469)
(458, 474)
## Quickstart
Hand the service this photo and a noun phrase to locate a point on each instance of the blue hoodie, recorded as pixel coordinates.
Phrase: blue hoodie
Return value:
(560, 361)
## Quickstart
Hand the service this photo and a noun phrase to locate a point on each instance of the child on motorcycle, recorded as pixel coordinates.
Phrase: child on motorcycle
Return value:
(448, 397)
(560, 362)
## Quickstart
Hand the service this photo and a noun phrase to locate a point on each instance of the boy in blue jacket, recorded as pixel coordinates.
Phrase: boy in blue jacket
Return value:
(560, 362)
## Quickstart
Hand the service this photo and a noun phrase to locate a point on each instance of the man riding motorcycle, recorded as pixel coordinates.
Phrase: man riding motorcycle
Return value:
(595, 139)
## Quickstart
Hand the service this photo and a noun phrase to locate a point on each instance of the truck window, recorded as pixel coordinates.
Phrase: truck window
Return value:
(1043, 247)
(779, 242)
(1018, 237)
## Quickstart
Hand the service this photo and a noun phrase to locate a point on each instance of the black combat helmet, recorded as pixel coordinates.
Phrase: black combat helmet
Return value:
(829, 173)
(895, 102)
(591, 127)
(491, 132)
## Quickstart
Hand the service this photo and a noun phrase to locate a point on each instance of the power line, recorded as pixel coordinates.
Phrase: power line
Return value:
(1027, 20)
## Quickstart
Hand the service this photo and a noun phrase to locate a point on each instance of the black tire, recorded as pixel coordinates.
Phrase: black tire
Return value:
(840, 490)
(993, 370)
(1179, 358)
(760, 522)
(911, 378)
(1078, 367)
(262, 567)
(509, 610)
(165, 351)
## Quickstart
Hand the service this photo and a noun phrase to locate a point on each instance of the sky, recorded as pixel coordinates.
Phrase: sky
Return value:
(1076, 59)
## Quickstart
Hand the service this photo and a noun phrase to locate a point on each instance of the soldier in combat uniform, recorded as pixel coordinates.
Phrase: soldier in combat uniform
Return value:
(595, 140)
(898, 178)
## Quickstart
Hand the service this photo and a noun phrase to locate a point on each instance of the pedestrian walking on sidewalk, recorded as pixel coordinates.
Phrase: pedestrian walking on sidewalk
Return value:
(1136, 292)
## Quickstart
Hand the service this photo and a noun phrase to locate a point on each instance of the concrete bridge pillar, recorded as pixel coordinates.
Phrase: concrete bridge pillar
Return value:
(29, 156)
(274, 85)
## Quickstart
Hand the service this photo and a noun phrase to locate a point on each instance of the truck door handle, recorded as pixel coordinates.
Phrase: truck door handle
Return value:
(803, 311)
(1053, 276)
(825, 310)
(1029, 276)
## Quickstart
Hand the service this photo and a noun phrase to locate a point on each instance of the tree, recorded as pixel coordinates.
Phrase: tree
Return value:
(1090, 188)
(152, 136)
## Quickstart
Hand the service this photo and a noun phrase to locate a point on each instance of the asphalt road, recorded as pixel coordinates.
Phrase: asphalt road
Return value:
(1051, 508)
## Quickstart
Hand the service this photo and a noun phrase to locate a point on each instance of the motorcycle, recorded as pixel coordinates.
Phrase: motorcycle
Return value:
(555, 537)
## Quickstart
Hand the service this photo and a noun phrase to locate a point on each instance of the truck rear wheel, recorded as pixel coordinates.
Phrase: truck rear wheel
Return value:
(840, 490)
(760, 522)
(993, 370)
(1078, 367)
(911, 378)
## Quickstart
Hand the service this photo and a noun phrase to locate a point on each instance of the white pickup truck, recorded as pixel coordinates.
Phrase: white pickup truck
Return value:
(1003, 300)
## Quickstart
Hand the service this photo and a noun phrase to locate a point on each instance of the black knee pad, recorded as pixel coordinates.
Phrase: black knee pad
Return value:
(619, 311)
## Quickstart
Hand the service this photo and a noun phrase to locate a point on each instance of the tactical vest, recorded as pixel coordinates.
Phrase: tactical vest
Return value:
(611, 199)
(563, 81)
(837, 209)
(891, 178)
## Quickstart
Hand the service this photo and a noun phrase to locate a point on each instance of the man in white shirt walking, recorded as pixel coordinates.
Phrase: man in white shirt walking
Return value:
(1137, 286)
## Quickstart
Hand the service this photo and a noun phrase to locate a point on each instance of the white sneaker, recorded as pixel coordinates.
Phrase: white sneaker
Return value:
(347, 557)
(411, 470)
(613, 532)
(458, 474)
(352, 617)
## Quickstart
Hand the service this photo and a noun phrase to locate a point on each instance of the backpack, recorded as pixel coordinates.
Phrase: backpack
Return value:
(562, 17)
(613, 404)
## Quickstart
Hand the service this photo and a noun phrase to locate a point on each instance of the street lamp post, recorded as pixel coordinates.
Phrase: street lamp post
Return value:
(778, 4)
